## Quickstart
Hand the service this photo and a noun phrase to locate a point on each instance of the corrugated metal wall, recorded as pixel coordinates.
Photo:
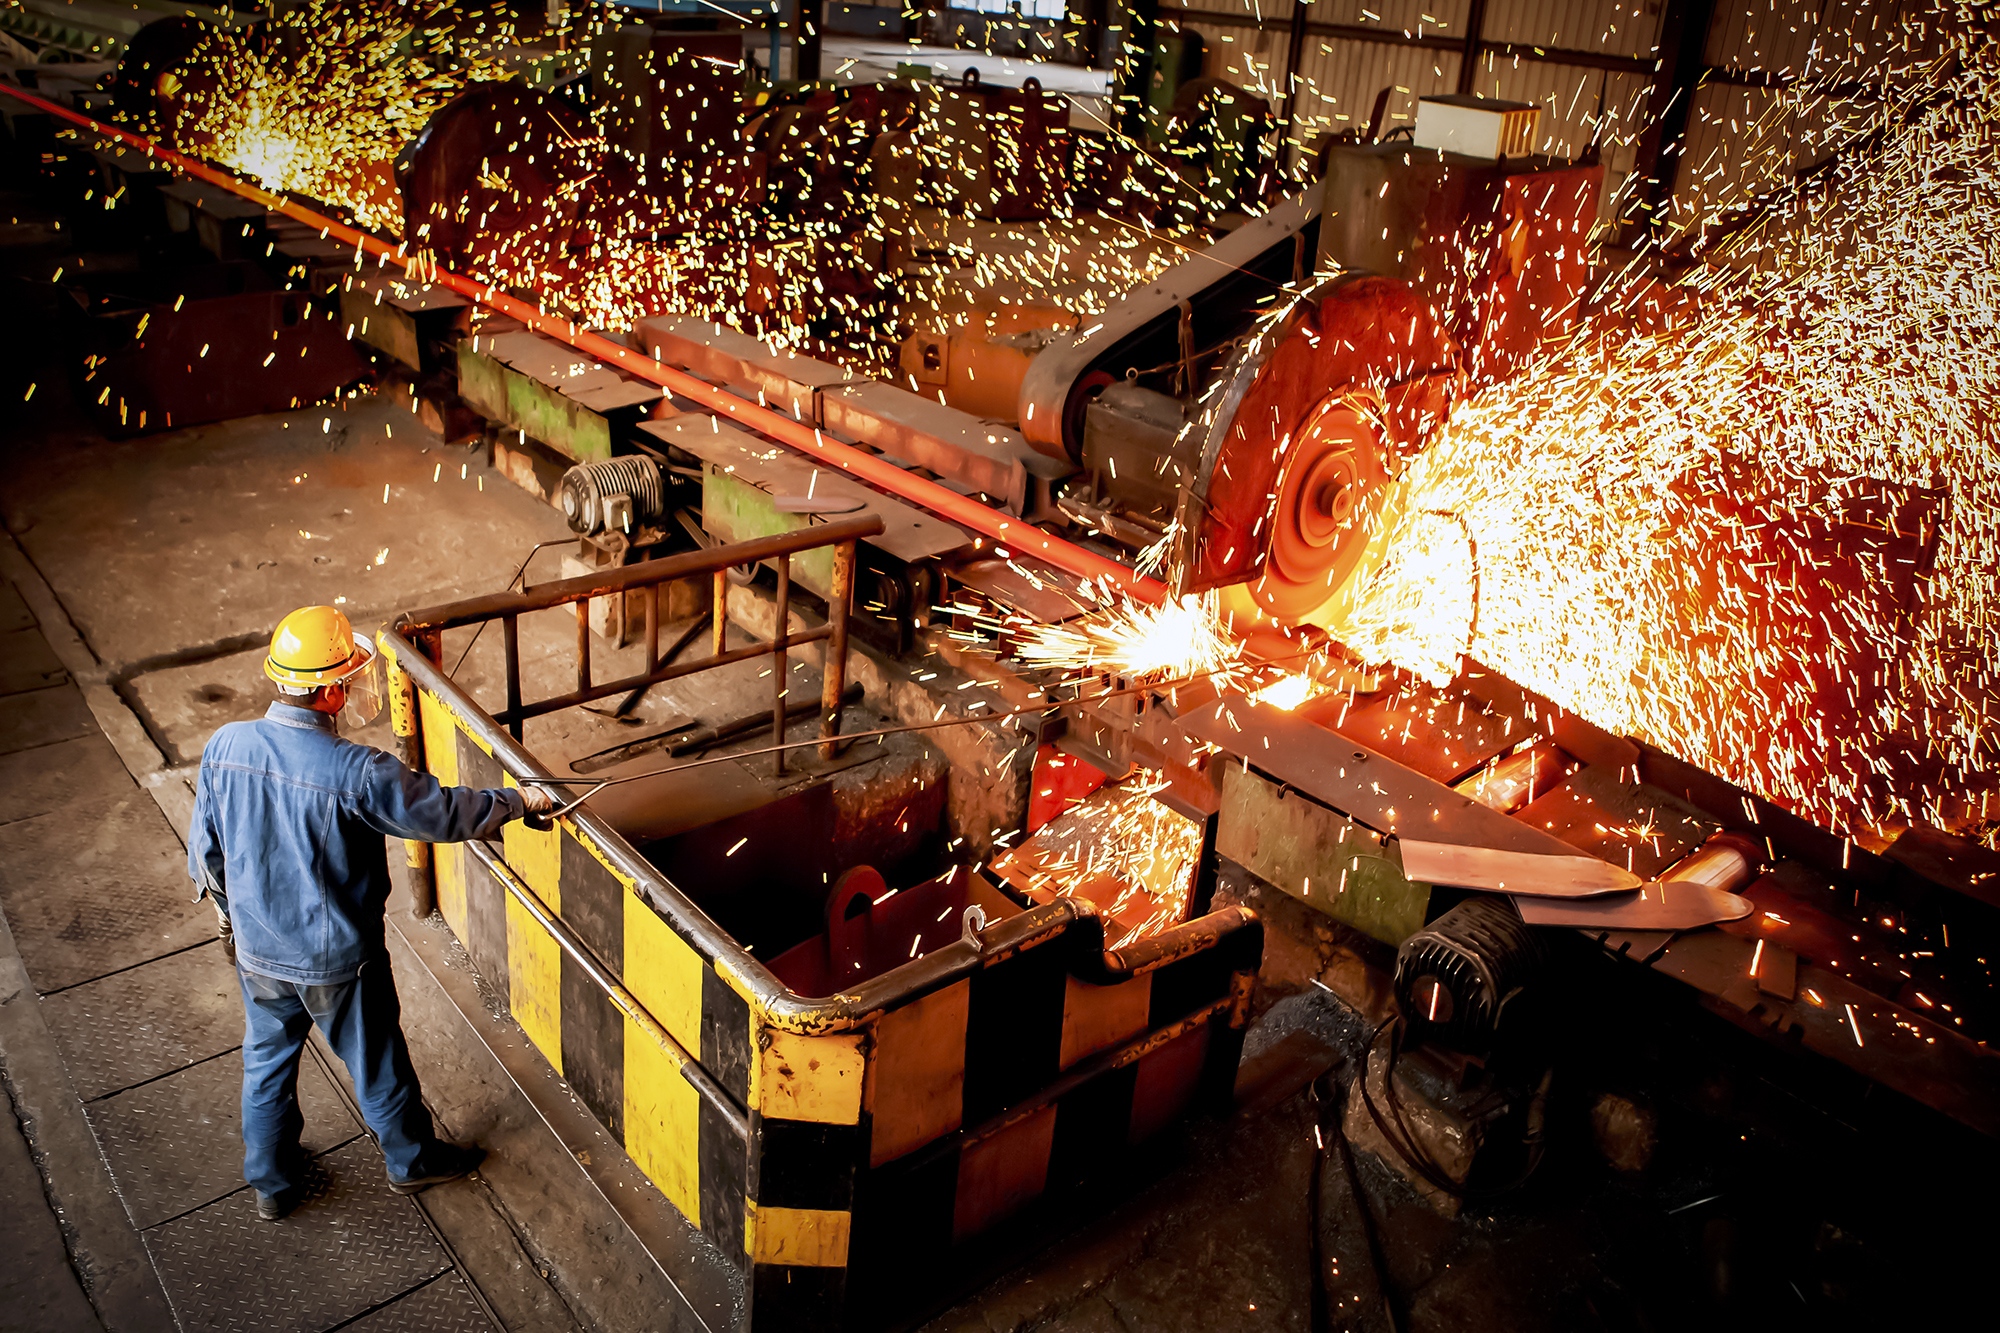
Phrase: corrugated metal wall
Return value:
(1339, 81)
(1774, 104)
(1340, 73)
(1445, 16)
(1612, 27)
(1592, 65)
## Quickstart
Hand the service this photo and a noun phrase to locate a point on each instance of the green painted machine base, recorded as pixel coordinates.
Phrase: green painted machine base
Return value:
(1318, 855)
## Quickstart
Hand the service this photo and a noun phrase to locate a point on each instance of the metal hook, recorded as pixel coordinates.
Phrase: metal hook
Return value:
(970, 925)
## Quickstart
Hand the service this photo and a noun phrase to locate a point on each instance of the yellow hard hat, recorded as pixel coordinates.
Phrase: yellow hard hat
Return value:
(315, 645)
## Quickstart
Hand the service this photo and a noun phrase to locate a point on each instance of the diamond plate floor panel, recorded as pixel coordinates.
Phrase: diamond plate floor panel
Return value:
(14, 612)
(176, 1143)
(81, 772)
(95, 888)
(443, 1306)
(150, 1020)
(350, 1246)
(42, 717)
(27, 662)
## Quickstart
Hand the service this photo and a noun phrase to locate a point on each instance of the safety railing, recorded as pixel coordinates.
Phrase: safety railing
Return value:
(832, 1157)
(425, 629)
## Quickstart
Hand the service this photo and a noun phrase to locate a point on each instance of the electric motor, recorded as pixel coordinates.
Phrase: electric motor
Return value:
(613, 495)
(1457, 975)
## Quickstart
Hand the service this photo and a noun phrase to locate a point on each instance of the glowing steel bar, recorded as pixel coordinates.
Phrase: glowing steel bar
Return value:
(1017, 536)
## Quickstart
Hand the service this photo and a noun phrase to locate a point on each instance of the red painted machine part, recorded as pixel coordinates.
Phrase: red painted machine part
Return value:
(1060, 781)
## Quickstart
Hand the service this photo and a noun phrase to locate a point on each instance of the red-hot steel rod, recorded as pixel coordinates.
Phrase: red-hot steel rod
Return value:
(1014, 535)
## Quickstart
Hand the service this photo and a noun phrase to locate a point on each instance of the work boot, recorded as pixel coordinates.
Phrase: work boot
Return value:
(441, 1161)
(272, 1207)
(292, 1161)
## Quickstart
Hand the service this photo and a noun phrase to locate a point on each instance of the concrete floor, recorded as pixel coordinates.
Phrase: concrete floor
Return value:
(141, 578)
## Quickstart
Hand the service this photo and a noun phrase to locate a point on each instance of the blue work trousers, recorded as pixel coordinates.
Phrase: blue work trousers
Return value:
(362, 1021)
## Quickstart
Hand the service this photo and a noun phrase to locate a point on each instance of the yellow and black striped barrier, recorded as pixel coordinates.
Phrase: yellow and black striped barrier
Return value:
(840, 1154)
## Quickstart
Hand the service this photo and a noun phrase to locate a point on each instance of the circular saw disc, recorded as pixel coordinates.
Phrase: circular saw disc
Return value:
(1311, 424)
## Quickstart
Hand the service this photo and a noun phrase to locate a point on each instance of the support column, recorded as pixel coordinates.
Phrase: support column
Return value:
(1092, 20)
(1468, 60)
(408, 731)
(1295, 46)
(833, 666)
(1683, 60)
(1130, 38)
(802, 23)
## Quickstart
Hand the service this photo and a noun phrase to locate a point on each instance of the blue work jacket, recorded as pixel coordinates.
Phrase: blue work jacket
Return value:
(287, 835)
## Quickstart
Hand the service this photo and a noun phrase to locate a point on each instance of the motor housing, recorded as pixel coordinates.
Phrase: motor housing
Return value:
(614, 495)
(1457, 977)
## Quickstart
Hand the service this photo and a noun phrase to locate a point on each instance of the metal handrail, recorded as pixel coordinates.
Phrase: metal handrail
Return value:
(412, 644)
(425, 628)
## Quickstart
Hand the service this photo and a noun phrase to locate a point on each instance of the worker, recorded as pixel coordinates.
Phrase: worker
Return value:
(287, 839)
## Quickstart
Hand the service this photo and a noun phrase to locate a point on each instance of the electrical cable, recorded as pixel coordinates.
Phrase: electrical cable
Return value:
(1404, 1142)
(1333, 1143)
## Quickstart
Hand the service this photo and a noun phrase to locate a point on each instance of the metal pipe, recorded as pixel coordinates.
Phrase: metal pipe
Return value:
(1727, 861)
(721, 603)
(781, 665)
(1509, 784)
(707, 738)
(1019, 537)
(833, 673)
(652, 629)
(655, 661)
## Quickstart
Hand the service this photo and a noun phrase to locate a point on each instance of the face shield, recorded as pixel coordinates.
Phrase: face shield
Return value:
(365, 689)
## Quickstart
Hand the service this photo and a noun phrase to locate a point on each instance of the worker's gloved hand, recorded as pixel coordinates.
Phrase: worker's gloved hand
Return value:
(540, 803)
(228, 935)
